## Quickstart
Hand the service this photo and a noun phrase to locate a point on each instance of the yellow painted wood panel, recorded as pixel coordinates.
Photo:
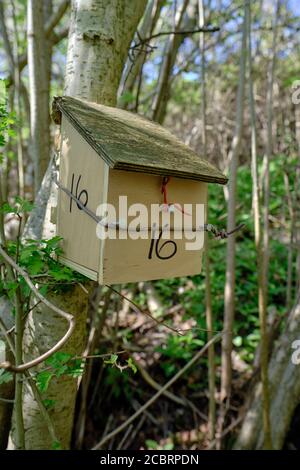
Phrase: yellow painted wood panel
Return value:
(83, 172)
(128, 260)
(146, 189)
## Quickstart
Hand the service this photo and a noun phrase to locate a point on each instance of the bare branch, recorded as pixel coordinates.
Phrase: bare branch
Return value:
(6, 41)
(56, 17)
(158, 394)
(67, 316)
(55, 38)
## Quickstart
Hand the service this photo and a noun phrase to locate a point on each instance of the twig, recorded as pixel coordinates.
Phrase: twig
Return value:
(227, 430)
(6, 400)
(145, 312)
(56, 17)
(144, 41)
(218, 233)
(122, 442)
(150, 381)
(67, 316)
(143, 408)
(135, 432)
(33, 386)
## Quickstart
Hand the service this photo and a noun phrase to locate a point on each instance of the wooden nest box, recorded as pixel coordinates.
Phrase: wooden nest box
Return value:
(107, 153)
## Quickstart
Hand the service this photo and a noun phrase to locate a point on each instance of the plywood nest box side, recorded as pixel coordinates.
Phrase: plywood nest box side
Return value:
(107, 153)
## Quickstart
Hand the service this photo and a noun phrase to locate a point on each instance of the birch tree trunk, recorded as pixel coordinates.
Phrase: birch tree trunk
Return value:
(100, 34)
(233, 158)
(7, 390)
(38, 90)
(99, 38)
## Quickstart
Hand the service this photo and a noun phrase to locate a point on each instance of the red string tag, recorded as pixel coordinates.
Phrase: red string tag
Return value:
(166, 204)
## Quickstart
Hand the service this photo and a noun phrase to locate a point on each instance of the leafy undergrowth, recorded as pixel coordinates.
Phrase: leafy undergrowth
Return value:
(114, 394)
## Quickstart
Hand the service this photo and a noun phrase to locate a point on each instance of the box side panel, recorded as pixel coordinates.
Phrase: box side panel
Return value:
(81, 173)
(81, 269)
(147, 259)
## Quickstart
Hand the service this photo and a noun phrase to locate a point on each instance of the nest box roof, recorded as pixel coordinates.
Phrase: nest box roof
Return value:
(127, 141)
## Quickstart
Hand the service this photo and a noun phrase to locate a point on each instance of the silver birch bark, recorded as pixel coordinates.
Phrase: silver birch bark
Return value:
(7, 390)
(99, 38)
(100, 34)
(38, 90)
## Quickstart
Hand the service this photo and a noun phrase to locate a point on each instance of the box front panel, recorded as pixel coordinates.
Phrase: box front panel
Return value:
(166, 255)
(83, 173)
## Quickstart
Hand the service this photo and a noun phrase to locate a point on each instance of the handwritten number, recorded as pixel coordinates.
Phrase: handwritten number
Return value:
(158, 249)
(83, 196)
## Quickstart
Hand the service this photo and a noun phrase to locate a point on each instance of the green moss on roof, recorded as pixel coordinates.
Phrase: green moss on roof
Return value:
(128, 141)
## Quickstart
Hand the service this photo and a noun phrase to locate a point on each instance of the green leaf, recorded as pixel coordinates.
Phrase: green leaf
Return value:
(127, 97)
(112, 360)
(58, 359)
(56, 445)
(49, 403)
(151, 444)
(238, 341)
(43, 380)
(8, 209)
(5, 377)
(132, 365)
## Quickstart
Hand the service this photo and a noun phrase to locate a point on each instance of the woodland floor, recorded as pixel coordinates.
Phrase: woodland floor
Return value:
(166, 424)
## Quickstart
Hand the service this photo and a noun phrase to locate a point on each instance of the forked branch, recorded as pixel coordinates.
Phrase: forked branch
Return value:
(67, 316)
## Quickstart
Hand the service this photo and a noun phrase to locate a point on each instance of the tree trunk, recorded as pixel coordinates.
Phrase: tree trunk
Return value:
(7, 390)
(100, 34)
(38, 89)
(99, 38)
(233, 158)
(262, 304)
(208, 299)
(134, 65)
(284, 379)
(160, 101)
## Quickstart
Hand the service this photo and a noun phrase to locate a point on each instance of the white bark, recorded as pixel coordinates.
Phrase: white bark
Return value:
(100, 35)
(38, 89)
(99, 38)
(7, 390)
